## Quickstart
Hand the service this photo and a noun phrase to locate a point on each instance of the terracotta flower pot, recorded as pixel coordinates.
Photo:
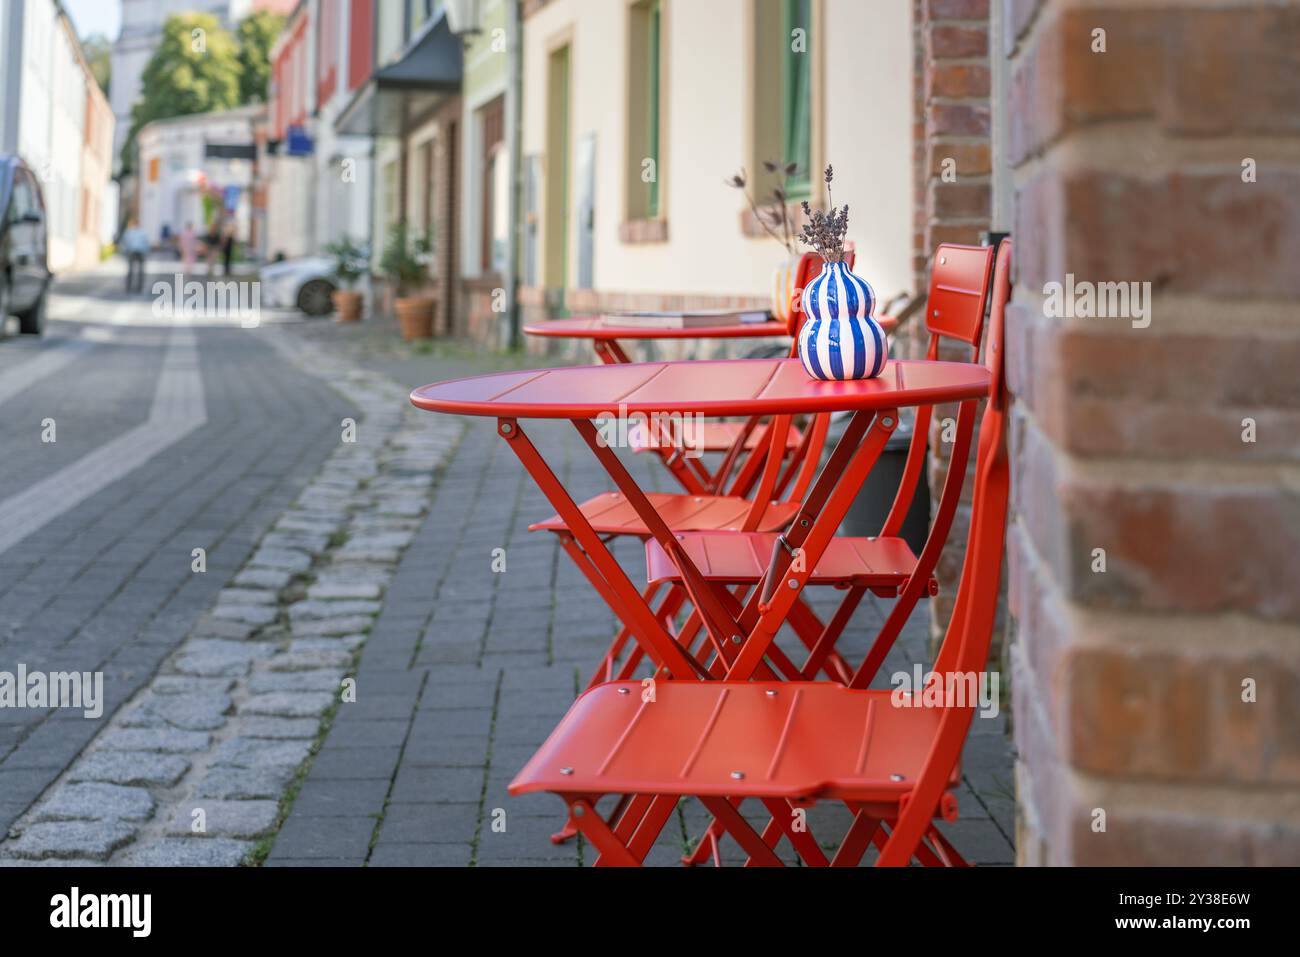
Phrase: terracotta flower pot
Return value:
(347, 305)
(415, 315)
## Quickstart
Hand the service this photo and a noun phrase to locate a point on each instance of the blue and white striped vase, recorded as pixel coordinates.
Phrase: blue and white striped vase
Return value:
(839, 339)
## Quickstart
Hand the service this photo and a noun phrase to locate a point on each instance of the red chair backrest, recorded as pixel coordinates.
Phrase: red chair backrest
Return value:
(959, 285)
(965, 646)
(970, 631)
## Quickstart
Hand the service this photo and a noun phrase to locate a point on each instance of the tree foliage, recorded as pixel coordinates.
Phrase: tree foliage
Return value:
(256, 34)
(196, 69)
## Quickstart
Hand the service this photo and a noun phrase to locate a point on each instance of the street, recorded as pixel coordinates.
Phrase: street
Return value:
(347, 542)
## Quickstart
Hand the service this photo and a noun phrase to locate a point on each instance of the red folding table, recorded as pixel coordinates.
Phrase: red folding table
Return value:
(738, 387)
(735, 439)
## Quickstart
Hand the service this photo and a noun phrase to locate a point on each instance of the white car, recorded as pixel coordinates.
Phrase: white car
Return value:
(304, 284)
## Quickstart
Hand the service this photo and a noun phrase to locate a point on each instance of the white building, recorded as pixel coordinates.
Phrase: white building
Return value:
(142, 22)
(183, 158)
(316, 197)
(49, 109)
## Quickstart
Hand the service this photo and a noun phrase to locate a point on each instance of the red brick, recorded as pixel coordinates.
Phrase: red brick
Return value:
(956, 201)
(1171, 715)
(957, 9)
(969, 159)
(957, 119)
(957, 81)
(954, 42)
(1188, 549)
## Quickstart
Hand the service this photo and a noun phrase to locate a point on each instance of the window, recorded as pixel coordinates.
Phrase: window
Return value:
(495, 185)
(796, 93)
(644, 113)
(782, 81)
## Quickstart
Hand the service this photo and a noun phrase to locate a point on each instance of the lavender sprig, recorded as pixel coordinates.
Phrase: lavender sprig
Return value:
(825, 231)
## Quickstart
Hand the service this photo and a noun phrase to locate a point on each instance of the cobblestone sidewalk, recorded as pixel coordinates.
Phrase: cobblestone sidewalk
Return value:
(193, 770)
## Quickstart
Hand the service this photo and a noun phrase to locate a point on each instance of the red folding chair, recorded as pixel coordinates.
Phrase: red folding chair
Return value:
(886, 564)
(791, 744)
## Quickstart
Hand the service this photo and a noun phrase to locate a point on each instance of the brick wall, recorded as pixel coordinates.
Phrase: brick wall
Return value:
(1128, 682)
(952, 203)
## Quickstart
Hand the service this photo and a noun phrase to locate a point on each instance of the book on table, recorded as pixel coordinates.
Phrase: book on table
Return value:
(686, 319)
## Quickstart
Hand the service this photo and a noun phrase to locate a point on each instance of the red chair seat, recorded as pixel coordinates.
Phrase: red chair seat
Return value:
(718, 436)
(742, 559)
(611, 514)
(735, 739)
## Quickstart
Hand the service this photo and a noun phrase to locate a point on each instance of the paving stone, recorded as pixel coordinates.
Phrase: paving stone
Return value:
(340, 591)
(322, 679)
(245, 784)
(281, 559)
(384, 540)
(296, 539)
(279, 728)
(353, 573)
(332, 643)
(272, 579)
(245, 596)
(186, 685)
(95, 801)
(210, 627)
(94, 840)
(130, 767)
(251, 614)
(366, 553)
(49, 862)
(192, 712)
(288, 704)
(311, 610)
(323, 840)
(331, 626)
(309, 659)
(170, 740)
(246, 819)
(241, 752)
(186, 852)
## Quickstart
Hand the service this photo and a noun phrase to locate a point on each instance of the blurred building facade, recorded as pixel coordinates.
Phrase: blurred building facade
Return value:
(141, 32)
(54, 115)
(635, 113)
(197, 169)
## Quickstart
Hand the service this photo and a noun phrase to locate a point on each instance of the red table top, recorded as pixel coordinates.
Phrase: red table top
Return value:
(715, 387)
(594, 327)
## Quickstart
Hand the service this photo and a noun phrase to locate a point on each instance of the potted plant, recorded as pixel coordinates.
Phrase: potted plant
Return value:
(351, 262)
(774, 215)
(838, 339)
(405, 263)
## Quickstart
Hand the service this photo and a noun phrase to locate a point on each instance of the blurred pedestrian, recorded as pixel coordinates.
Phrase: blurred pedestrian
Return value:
(189, 247)
(212, 246)
(227, 248)
(135, 244)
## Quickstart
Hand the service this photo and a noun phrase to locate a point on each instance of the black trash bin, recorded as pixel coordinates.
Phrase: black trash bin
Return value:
(871, 506)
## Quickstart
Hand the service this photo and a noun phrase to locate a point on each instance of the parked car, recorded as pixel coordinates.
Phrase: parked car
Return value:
(306, 284)
(24, 268)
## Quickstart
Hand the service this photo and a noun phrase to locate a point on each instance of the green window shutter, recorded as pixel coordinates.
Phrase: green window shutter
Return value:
(653, 22)
(796, 98)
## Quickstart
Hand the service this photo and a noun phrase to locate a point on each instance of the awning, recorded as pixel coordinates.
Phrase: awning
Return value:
(398, 95)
